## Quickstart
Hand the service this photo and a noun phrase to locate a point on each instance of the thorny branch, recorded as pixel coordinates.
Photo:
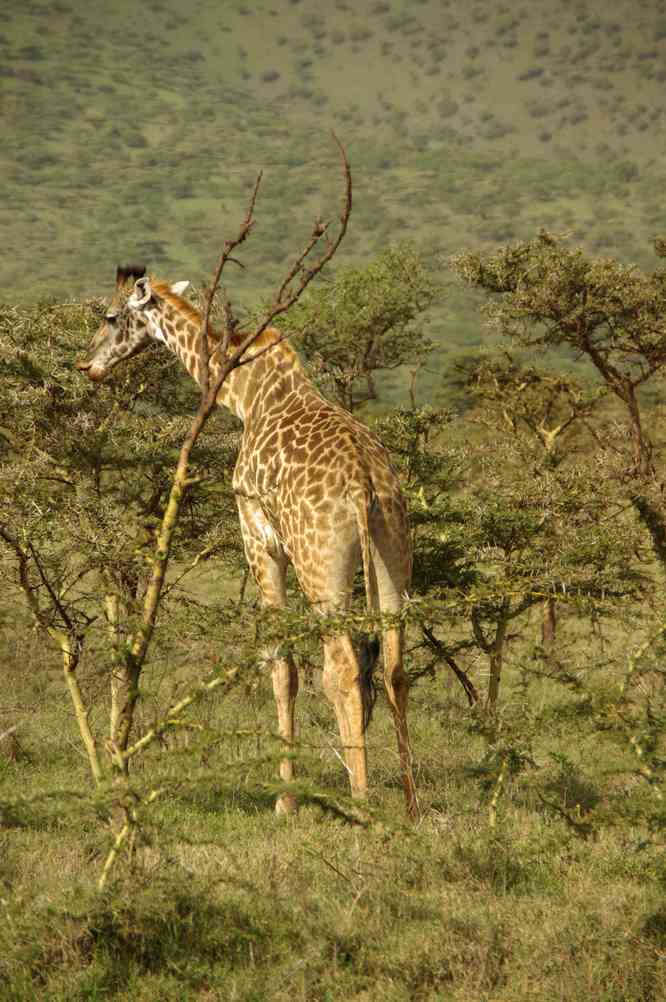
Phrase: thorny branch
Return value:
(438, 647)
(229, 246)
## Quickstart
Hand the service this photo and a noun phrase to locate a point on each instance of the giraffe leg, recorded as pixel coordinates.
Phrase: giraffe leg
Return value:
(342, 686)
(397, 689)
(285, 689)
(269, 565)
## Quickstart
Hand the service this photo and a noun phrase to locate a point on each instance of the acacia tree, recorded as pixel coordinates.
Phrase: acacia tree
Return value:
(546, 295)
(366, 319)
(498, 531)
(551, 409)
(122, 514)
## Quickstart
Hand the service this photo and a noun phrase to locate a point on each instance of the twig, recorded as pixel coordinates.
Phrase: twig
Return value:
(582, 828)
(327, 862)
(229, 246)
(461, 675)
(281, 306)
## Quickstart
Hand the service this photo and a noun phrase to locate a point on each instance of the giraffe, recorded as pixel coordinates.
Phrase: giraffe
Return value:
(313, 487)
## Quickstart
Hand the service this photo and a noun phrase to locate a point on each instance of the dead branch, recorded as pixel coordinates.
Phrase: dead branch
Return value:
(281, 304)
(229, 246)
(438, 647)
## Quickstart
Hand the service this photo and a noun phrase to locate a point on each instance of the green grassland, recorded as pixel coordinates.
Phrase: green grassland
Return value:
(137, 130)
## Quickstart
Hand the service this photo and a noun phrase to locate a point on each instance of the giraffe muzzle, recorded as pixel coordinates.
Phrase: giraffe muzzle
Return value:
(96, 375)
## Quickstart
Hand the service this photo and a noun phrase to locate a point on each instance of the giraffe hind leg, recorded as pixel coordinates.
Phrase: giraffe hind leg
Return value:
(397, 690)
(342, 685)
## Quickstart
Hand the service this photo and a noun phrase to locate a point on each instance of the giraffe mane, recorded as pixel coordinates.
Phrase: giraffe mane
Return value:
(191, 313)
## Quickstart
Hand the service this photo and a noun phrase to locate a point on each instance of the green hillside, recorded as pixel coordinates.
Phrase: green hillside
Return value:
(136, 130)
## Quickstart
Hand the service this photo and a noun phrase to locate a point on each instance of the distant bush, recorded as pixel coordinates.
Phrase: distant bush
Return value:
(270, 76)
(591, 24)
(136, 140)
(538, 109)
(578, 117)
(305, 93)
(315, 24)
(446, 107)
(398, 22)
(531, 74)
(360, 34)
(33, 53)
(496, 130)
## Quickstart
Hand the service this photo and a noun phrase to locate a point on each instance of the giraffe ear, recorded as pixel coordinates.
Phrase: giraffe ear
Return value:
(178, 288)
(142, 293)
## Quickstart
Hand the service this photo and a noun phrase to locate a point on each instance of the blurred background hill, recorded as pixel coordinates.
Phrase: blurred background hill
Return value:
(135, 131)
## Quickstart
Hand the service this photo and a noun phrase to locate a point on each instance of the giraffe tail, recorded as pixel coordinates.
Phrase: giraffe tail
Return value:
(368, 645)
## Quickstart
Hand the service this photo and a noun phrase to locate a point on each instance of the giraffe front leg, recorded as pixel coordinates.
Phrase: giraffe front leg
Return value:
(269, 567)
(285, 689)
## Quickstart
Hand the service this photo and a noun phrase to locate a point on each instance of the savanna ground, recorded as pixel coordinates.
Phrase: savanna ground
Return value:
(545, 887)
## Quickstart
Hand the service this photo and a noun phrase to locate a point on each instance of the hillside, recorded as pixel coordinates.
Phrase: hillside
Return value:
(137, 131)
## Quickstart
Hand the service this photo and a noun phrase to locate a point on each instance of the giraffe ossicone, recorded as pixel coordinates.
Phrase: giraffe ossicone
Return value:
(314, 488)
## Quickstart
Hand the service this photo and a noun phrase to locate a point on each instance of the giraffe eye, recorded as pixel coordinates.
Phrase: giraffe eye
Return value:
(111, 318)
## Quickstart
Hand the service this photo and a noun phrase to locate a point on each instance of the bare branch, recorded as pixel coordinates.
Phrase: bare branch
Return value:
(229, 246)
(49, 587)
(438, 647)
(281, 305)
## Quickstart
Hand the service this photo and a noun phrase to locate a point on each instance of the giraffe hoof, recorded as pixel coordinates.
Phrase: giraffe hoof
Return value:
(286, 804)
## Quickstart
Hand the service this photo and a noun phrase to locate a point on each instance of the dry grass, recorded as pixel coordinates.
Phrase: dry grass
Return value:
(224, 901)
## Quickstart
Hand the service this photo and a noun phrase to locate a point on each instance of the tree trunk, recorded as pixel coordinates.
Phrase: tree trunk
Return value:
(655, 523)
(496, 657)
(548, 623)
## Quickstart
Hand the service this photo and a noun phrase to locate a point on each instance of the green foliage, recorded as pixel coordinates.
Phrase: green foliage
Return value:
(555, 296)
(86, 470)
(545, 295)
(542, 820)
(366, 319)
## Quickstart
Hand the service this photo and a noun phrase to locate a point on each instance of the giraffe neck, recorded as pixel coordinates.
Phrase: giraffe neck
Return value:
(247, 390)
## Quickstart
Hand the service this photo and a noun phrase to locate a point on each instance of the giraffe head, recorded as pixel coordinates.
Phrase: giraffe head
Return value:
(127, 327)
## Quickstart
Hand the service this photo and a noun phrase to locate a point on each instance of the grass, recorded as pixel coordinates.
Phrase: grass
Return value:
(555, 895)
